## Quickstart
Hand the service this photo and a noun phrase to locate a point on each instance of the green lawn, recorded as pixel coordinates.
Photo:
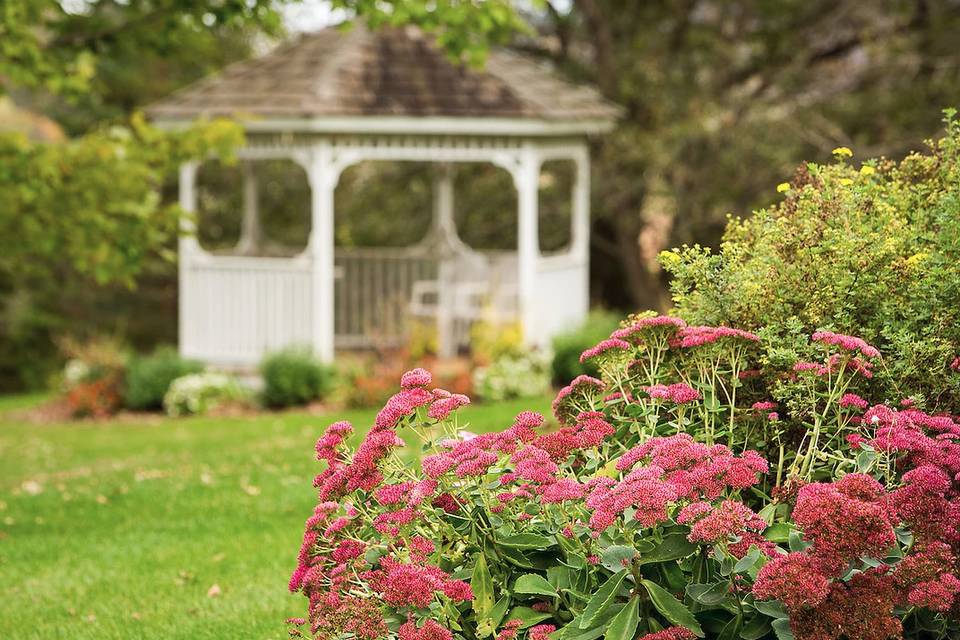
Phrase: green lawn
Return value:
(164, 529)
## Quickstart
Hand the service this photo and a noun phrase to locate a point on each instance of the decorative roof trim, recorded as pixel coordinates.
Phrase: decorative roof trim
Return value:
(415, 125)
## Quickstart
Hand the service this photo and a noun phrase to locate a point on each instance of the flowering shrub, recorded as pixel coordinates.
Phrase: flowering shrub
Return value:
(869, 248)
(672, 500)
(92, 376)
(198, 393)
(522, 375)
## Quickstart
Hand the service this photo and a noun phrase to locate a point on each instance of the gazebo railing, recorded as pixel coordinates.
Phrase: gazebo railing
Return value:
(373, 292)
(234, 309)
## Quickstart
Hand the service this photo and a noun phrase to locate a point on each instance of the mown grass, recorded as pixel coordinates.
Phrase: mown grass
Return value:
(162, 528)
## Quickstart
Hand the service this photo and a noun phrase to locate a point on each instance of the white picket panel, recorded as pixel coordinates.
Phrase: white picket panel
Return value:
(240, 308)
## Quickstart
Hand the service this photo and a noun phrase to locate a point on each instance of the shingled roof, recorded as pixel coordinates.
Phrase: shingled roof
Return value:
(391, 72)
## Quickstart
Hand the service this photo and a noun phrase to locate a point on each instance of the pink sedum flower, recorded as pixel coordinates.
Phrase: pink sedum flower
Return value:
(608, 347)
(794, 579)
(415, 378)
(847, 343)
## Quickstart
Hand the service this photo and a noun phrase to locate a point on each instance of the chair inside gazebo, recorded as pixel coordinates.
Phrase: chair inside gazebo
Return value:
(417, 245)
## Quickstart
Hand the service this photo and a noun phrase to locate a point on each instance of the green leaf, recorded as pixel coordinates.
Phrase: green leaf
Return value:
(731, 630)
(772, 608)
(527, 616)
(515, 556)
(747, 561)
(487, 626)
(782, 628)
(796, 541)
(533, 583)
(865, 460)
(499, 610)
(623, 626)
(709, 594)
(779, 532)
(482, 585)
(673, 547)
(614, 557)
(755, 628)
(671, 608)
(526, 541)
(602, 600)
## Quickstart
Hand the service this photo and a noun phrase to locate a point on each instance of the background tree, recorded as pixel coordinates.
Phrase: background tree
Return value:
(724, 98)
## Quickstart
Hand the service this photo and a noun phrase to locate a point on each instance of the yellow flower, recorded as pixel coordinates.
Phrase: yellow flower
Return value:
(843, 152)
(846, 182)
(867, 170)
(668, 258)
(783, 187)
(916, 259)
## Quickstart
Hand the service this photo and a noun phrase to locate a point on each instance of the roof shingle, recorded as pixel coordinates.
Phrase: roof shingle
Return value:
(388, 72)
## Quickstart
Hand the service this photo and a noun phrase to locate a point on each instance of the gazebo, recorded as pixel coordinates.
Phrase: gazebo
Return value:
(338, 97)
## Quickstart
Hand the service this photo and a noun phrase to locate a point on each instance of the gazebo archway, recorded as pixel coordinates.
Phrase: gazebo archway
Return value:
(235, 308)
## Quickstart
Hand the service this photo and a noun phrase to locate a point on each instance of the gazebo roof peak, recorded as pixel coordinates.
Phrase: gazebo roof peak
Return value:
(390, 80)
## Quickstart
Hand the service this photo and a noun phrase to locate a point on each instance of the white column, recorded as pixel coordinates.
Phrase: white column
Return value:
(527, 179)
(188, 247)
(581, 226)
(323, 177)
(250, 234)
(444, 226)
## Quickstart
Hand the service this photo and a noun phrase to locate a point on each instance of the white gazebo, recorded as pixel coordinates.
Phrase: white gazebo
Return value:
(338, 97)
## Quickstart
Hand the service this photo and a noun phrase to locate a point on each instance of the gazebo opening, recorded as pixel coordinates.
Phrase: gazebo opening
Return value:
(555, 208)
(256, 208)
(490, 219)
(401, 257)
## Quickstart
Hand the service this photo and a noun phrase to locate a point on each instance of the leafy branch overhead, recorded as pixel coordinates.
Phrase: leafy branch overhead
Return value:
(93, 203)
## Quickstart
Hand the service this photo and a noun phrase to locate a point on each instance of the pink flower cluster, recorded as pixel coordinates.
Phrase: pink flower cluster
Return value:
(634, 333)
(828, 512)
(670, 633)
(582, 390)
(853, 400)
(605, 348)
(643, 489)
(847, 343)
(697, 470)
(429, 631)
(719, 524)
(414, 585)
(678, 393)
(695, 336)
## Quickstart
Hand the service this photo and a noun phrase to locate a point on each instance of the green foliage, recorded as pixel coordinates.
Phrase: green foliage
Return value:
(568, 346)
(199, 393)
(872, 251)
(65, 49)
(513, 375)
(464, 28)
(294, 377)
(93, 203)
(149, 377)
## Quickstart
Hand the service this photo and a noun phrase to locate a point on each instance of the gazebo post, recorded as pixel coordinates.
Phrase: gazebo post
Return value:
(581, 221)
(323, 175)
(187, 248)
(526, 177)
(444, 225)
(250, 233)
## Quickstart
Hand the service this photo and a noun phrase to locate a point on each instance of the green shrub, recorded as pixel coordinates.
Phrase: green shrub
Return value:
(512, 376)
(198, 393)
(568, 346)
(149, 377)
(872, 251)
(294, 377)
